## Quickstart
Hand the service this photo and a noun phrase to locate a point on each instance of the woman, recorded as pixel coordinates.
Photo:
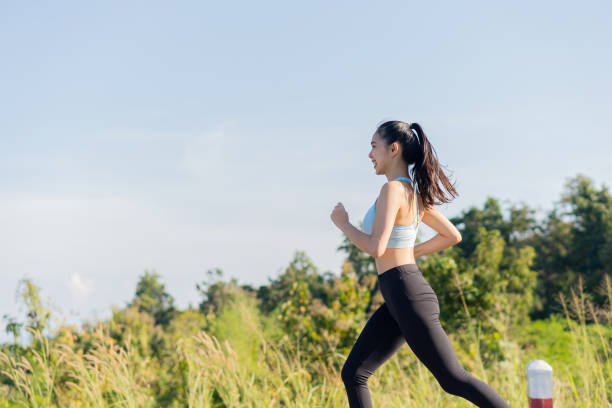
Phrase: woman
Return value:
(411, 311)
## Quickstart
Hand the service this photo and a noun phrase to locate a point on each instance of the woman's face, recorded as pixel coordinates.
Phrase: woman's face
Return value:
(379, 154)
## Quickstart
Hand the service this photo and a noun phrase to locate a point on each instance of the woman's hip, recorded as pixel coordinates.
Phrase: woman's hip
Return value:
(405, 283)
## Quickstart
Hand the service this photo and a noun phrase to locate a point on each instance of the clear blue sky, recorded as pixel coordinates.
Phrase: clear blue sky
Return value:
(183, 136)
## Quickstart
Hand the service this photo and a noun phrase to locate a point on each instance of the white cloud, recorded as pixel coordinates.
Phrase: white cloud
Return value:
(79, 287)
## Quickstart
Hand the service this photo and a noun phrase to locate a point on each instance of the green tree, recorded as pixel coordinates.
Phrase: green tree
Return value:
(324, 329)
(492, 288)
(301, 270)
(519, 225)
(151, 298)
(574, 241)
(590, 256)
(552, 243)
(37, 314)
(215, 292)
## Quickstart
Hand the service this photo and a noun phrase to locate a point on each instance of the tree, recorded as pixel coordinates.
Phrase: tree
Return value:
(300, 269)
(575, 241)
(215, 292)
(151, 298)
(37, 315)
(513, 231)
(489, 279)
(552, 243)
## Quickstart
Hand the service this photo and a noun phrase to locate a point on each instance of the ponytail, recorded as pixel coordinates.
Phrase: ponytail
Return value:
(428, 173)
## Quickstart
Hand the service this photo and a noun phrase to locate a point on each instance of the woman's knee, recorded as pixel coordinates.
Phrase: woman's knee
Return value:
(353, 374)
(348, 372)
(454, 383)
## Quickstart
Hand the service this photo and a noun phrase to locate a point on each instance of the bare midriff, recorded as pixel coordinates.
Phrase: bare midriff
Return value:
(394, 257)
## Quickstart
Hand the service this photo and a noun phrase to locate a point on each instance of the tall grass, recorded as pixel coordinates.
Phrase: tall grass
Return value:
(237, 364)
(57, 375)
(590, 380)
(33, 374)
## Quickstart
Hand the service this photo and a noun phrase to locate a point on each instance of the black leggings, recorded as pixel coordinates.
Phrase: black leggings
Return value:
(410, 314)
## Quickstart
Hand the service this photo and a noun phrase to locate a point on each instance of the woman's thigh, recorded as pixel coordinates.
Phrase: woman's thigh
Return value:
(414, 306)
(380, 338)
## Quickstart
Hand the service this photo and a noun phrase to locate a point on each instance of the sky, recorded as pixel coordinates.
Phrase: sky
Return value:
(178, 137)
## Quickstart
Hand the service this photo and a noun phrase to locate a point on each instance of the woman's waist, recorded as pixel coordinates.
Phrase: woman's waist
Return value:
(394, 257)
(398, 269)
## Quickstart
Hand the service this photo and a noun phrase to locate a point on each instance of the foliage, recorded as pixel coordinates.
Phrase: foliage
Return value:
(322, 330)
(151, 298)
(233, 363)
(300, 270)
(515, 289)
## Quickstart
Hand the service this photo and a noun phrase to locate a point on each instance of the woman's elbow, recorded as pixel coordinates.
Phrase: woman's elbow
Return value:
(377, 251)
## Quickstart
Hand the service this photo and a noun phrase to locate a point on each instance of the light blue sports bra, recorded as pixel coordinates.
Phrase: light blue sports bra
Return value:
(402, 236)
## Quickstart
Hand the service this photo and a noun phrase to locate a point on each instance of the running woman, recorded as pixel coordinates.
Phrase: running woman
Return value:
(411, 310)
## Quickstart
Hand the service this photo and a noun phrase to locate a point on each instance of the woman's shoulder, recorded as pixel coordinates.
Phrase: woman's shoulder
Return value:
(392, 187)
(402, 192)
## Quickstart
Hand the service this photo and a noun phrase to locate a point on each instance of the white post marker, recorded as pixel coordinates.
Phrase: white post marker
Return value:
(539, 384)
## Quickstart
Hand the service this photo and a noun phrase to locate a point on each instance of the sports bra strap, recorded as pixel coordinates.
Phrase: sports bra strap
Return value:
(417, 201)
(404, 178)
(417, 206)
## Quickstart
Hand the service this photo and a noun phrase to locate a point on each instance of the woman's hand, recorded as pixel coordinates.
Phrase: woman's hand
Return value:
(339, 216)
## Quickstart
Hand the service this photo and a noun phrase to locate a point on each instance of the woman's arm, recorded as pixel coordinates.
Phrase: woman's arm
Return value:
(448, 235)
(435, 244)
(375, 244)
(361, 240)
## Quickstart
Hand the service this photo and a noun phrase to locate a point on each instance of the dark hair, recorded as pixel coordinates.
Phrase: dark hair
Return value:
(417, 150)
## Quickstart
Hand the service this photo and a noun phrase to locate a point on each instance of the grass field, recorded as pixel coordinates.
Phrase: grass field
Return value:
(239, 365)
